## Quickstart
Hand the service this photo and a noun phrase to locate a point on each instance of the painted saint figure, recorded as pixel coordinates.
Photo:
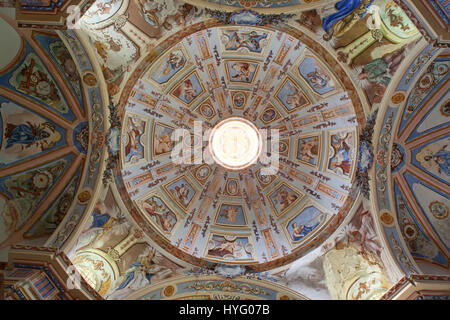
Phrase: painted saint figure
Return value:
(308, 150)
(134, 148)
(318, 78)
(441, 159)
(300, 231)
(380, 70)
(250, 40)
(341, 159)
(140, 274)
(175, 61)
(295, 98)
(162, 216)
(101, 219)
(28, 134)
(244, 71)
(348, 14)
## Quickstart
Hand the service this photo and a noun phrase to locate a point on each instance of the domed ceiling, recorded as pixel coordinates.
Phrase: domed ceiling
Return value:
(419, 163)
(204, 212)
(45, 95)
(161, 66)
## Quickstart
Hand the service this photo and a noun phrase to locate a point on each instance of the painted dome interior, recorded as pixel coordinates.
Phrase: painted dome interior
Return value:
(120, 162)
(274, 81)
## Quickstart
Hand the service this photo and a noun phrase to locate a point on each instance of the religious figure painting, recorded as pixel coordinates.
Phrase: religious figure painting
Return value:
(62, 55)
(290, 96)
(264, 180)
(169, 65)
(166, 15)
(206, 110)
(159, 213)
(341, 153)
(25, 134)
(33, 79)
(189, 89)
(101, 11)
(162, 143)
(106, 224)
(230, 248)
(232, 188)
(182, 191)
(269, 114)
(348, 13)
(104, 217)
(308, 150)
(316, 76)
(230, 214)
(244, 41)
(435, 158)
(239, 99)
(282, 146)
(134, 148)
(304, 223)
(283, 198)
(202, 173)
(148, 268)
(241, 71)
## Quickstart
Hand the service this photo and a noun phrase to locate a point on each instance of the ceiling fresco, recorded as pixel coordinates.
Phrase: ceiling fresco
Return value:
(271, 79)
(93, 118)
(45, 135)
(419, 165)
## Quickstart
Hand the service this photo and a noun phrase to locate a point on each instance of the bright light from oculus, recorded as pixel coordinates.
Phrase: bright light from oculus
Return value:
(235, 143)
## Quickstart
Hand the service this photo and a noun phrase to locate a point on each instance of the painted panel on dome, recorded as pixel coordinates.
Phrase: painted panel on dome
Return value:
(244, 41)
(418, 242)
(291, 97)
(101, 11)
(189, 89)
(232, 188)
(305, 223)
(241, 71)
(341, 153)
(135, 140)
(283, 198)
(60, 55)
(162, 139)
(182, 191)
(308, 150)
(316, 76)
(51, 219)
(144, 268)
(229, 248)
(31, 78)
(230, 214)
(25, 134)
(434, 158)
(264, 180)
(24, 191)
(429, 82)
(169, 65)
(435, 205)
(159, 213)
(269, 114)
(437, 117)
(206, 110)
(202, 173)
(239, 98)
